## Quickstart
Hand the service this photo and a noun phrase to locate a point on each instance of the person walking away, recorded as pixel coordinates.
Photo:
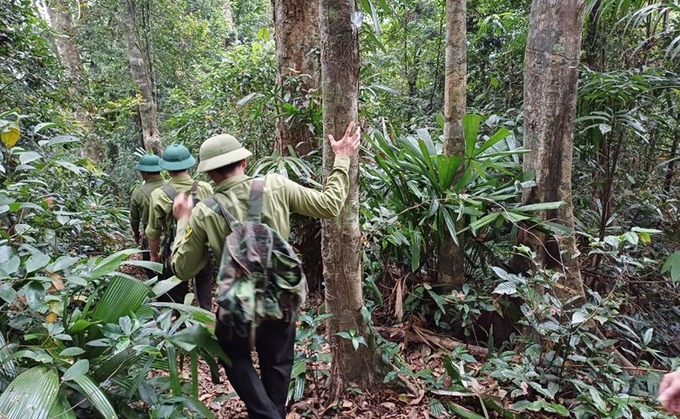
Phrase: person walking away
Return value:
(149, 170)
(177, 160)
(202, 228)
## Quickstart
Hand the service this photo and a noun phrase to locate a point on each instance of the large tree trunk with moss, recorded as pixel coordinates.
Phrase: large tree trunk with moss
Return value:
(69, 56)
(341, 236)
(297, 42)
(452, 256)
(143, 78)
(550, 86)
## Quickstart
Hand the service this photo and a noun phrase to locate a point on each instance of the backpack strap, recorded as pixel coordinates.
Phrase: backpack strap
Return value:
(256, 194)
(194, 192)
(169, 191)
(216, 206)
(145, 191)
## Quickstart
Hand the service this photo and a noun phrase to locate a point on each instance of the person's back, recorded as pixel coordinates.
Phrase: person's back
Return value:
(140, 200)
(177, 161)
(223, 158)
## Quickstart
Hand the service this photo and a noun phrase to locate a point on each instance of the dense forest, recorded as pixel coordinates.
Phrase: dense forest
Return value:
(510, 246)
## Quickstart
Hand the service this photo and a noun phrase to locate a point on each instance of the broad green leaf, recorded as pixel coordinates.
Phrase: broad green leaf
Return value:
(110, 263)
(73, 351)
(122, 296)
(487, 219)
(70, 166)
(450, 224)
(61, 409)
(447, 166)
(192, 404)
(672, 265)
(36, 261)
(161, 287)
(80, 368)
(62, 263)
(6, 362)
(196, 313)
(29, 156)
(471, 128)
(7, 293)
(154, 266)
(11, 266)
(31, 395)
(505, 288)
(45, 125)
(416, 243)
(96, 397)
(498, 136)
(597, 400)
(513, 217)
(561, 410)
(463, 412)
(35, 294)
(172, 370)
(543, 206)
(579, 317)
(118, 362)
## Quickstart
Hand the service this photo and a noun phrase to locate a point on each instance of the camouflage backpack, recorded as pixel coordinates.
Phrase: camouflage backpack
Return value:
(169, 239)
(260, 277)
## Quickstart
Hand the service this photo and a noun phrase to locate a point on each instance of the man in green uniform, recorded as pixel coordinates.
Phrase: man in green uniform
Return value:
(177, 161)
(139, 202)
(203, 229)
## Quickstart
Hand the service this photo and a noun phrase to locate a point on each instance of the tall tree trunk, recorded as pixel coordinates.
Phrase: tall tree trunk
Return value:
(550, 87)
(297, 37)
(69, 56)
(340, 237)
(452, 256)
(143, 79)
(228, 17)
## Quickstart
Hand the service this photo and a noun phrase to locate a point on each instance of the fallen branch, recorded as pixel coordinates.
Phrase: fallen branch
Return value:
(413, 333)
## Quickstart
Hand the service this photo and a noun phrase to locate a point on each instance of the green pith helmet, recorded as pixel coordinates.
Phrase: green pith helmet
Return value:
(148, 163)
(176, 157)
(221, 150)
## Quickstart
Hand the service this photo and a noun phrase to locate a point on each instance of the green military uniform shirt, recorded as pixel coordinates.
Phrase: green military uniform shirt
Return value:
(160, 210)
(281, 198)
(139, 202)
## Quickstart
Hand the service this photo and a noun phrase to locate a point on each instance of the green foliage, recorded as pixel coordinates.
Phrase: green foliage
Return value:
(70, 320)
(212, 105)
(423, 198)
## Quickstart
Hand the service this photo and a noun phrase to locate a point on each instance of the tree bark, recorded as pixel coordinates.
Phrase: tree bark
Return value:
(143, 79)
(550, 87)
(452, 256)
(341, 236)
(297, 39)
(228, 16)
(69, 56)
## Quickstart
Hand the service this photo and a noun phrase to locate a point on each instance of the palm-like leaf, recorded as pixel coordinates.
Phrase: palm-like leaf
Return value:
(31, 395)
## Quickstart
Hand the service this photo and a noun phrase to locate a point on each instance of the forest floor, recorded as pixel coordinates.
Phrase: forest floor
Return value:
(382, 402)
(406, 399)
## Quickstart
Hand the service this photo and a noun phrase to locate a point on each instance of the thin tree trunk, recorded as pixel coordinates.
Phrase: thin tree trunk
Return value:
(143, 79)
(550, 87)
(670, 171)
(228, 17)
(452, 256)
(69, 56)
(341, 236)
(297, 37)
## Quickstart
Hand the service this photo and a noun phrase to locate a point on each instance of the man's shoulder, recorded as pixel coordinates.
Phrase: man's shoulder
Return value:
(274, 181)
